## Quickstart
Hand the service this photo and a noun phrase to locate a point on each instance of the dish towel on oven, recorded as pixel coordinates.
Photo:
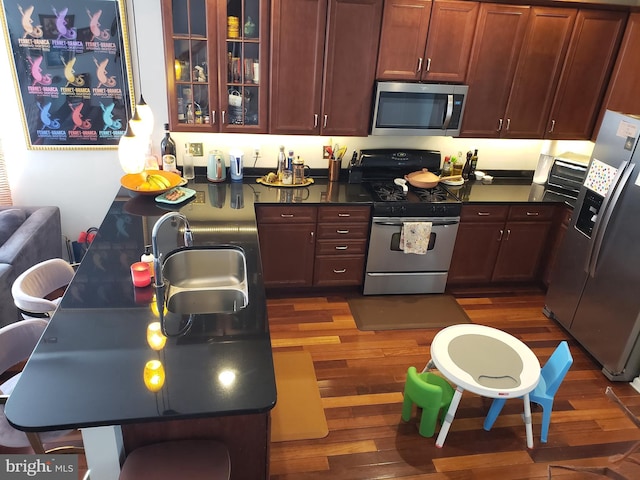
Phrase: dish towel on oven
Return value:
(414, 237)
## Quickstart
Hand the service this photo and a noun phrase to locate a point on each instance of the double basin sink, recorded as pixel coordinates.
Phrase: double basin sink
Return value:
(204, 280)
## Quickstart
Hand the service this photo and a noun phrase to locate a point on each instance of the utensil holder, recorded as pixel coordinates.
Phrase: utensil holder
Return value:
(334, 170)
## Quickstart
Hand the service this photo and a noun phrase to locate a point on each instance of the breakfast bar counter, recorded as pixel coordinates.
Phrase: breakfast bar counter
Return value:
(90, 369)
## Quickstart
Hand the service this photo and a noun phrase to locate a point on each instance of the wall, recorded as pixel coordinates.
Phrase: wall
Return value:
(83, 183)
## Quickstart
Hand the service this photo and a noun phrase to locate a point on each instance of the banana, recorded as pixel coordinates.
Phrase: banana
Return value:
(158, 181)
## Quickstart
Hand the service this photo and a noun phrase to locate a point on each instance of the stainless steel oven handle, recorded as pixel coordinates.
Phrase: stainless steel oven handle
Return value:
(449, 112)
(400, 224)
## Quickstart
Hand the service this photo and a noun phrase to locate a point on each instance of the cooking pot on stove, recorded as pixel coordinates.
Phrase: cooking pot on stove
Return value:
(426, 179)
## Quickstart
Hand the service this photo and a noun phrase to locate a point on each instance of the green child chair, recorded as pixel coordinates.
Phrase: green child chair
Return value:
(429, 392)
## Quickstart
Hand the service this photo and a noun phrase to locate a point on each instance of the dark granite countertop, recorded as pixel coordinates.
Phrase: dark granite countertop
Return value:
(91, 358)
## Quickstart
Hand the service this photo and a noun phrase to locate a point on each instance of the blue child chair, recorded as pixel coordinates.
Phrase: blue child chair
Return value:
(551, 376)
(429, 392)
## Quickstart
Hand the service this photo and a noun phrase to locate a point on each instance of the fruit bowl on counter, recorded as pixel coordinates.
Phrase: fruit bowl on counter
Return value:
(151, 182)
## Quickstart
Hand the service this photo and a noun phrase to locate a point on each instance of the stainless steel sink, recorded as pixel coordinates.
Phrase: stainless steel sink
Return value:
(205, 280)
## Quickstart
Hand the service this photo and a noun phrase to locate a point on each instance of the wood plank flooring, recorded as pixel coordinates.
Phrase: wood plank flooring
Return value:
(361, 377)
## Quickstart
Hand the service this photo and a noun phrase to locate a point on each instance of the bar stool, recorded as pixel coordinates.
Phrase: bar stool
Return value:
(37, 291)
(192, 459)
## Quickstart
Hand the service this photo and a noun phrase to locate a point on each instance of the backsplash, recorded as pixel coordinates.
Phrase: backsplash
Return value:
(494, 154)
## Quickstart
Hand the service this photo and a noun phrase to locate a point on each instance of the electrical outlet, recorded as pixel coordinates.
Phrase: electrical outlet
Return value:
(325, 152)
(195, 149)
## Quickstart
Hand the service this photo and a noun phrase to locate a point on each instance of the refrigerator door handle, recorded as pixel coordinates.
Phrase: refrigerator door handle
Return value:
(604, 222)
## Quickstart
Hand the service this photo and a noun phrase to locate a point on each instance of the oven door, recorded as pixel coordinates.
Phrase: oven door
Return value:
(391, 270)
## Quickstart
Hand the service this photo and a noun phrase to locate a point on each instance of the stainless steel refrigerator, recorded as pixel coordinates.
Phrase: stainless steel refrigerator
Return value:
(594, 291)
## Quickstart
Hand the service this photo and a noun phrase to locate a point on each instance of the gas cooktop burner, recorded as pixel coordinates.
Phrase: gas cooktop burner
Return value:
(393, 193)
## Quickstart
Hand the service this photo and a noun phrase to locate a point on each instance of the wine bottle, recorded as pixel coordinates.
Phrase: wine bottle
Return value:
(467, 166)
(474, 163)
(168, 151)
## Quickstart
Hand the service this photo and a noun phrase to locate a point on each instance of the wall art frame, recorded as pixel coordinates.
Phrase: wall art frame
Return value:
(71, 66)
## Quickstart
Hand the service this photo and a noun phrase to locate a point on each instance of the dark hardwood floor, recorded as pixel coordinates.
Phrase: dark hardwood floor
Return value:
(361, 377)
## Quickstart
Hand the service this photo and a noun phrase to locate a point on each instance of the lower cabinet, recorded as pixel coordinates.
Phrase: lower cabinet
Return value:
(287, 245)
(304, 246)
(500, 243)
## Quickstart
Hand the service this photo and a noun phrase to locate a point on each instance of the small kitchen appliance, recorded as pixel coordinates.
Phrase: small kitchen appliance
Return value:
(216, 170)
(389, 269)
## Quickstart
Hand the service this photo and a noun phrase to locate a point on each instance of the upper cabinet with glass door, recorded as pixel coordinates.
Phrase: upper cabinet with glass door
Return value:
(216, 55)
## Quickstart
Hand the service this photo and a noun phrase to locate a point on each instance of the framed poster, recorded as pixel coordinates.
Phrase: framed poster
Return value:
(72, 71)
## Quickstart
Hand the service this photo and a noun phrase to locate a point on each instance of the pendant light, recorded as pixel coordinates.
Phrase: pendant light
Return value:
(134, 145)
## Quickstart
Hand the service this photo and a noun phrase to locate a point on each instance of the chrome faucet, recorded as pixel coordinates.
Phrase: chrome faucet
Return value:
(157, 255)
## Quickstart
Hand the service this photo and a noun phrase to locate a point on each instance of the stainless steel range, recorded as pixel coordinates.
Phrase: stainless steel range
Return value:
(389, 269)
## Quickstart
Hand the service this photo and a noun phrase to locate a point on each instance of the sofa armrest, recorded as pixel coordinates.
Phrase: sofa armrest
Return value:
(39, 238)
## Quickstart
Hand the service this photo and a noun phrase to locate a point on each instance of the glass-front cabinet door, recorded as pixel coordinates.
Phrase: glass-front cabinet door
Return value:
(216, 55)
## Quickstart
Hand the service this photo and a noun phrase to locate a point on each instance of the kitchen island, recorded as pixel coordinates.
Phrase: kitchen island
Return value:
(88, 370)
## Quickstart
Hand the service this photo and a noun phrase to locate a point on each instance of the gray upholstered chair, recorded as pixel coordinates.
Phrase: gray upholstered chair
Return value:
(17, 342)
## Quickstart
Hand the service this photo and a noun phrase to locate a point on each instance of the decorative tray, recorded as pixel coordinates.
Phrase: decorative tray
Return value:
(307, 181)
(176, 195)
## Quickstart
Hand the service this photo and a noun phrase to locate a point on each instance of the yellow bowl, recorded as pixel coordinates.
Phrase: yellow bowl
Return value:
(137, 182)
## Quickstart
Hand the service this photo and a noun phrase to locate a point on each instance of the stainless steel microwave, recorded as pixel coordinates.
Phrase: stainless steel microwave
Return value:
(403, 108)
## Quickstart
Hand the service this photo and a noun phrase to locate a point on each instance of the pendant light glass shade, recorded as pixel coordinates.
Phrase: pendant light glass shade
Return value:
(131, 152)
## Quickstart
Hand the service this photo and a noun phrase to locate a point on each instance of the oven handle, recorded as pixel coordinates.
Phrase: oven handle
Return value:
(400, 224)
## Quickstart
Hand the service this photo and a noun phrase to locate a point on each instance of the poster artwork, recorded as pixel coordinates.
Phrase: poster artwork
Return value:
(71, 71)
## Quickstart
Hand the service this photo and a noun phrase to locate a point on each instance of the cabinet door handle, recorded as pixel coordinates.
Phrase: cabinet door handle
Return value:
(325, 121)
(342, 232)
(223, 117)
(419, 65)
(428, 64)
(342, 247)
(508, 123)
(340, 271)
(213, 117)
(315, 120)
(311, 237)
(553, 125)
(286, 215)
(499, 125)
(533, 214)
(500, 236)
(483, 214)
(344, 214)
(508, 235)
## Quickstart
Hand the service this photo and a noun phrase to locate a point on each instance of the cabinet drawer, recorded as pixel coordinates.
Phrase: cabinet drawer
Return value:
(337, 230)
(341, 247)
(338, 270)
(532, 212)
(484, 213)
(286, 214)
(343, 214)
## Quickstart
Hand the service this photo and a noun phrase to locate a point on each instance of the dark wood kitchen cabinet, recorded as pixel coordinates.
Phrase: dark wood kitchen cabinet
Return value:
(622, 92)
(341, 245)
(500, 243)
(426, 40)
(494, 56)
(217, 69)
(521, 102)
(287, 244)
(539, 72)
(592, 52)
(323, 60)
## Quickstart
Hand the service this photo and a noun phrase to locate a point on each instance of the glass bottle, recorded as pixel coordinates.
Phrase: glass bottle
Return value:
(168, 150)
(190, 115)
(282, 163)
(474, 163)
(446, 167)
